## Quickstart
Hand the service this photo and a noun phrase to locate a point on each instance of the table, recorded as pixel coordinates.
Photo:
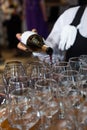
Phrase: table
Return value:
(58, 123)
(55, 126)
(7, 126)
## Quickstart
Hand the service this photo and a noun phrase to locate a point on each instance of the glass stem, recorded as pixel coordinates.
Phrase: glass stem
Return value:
(61, 114)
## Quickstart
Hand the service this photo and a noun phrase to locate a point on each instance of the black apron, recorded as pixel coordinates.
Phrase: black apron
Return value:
(80, 45)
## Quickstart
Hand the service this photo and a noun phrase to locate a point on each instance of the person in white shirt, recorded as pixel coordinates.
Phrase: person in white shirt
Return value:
(69, 33)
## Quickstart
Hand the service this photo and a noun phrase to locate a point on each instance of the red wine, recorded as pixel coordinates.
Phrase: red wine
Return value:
(51, 59)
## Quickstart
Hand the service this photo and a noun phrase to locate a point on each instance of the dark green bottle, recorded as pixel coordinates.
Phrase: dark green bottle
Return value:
(35, 42)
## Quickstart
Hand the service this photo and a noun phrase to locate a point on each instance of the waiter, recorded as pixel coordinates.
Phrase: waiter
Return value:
(69, 33)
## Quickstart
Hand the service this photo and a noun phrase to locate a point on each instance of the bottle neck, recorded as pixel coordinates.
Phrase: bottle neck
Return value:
(44, 48)
(47, 49)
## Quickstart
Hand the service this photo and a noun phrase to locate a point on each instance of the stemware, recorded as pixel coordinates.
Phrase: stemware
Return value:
(74, 63)
(82, 118)
(83, 73)
(37, 70)
(68, 83)
(58, 68)
(45, 90)
(83, 81)
(83, 59)
(33, 67)
(12, 68)
(22, 114)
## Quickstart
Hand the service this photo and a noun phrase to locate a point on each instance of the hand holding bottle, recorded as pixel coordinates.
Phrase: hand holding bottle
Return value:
(32, 41)
(22, 46)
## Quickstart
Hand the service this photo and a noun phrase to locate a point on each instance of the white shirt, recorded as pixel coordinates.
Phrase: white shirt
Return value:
(65, 19)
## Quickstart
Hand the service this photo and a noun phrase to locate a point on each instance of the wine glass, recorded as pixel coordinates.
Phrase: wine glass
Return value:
(17, 82)
(68, 82)
(82, 124)
(45, 90)
(83, 81)
(33, 67)
(83, 59)
(58, 68)
(22, 113)
(74, 63)
(12, 68)
(37, 70)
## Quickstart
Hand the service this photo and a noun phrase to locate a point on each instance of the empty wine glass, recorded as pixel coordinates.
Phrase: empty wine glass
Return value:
(33, 67)
(22, 113)
(83, 59)
(68, 83)
(58, 68)
(74, 63)
(83, 81)
(83, 73)
(37, 70)
(12, 68)
(45, 90)
(17, 82)
(82, 118)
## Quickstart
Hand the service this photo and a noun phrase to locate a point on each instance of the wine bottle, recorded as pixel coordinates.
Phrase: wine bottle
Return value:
(35, 42)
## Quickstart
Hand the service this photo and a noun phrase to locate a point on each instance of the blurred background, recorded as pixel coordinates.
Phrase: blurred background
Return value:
(13, 20)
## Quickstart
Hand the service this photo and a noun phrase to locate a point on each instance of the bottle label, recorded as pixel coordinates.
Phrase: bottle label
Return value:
(25, 36)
